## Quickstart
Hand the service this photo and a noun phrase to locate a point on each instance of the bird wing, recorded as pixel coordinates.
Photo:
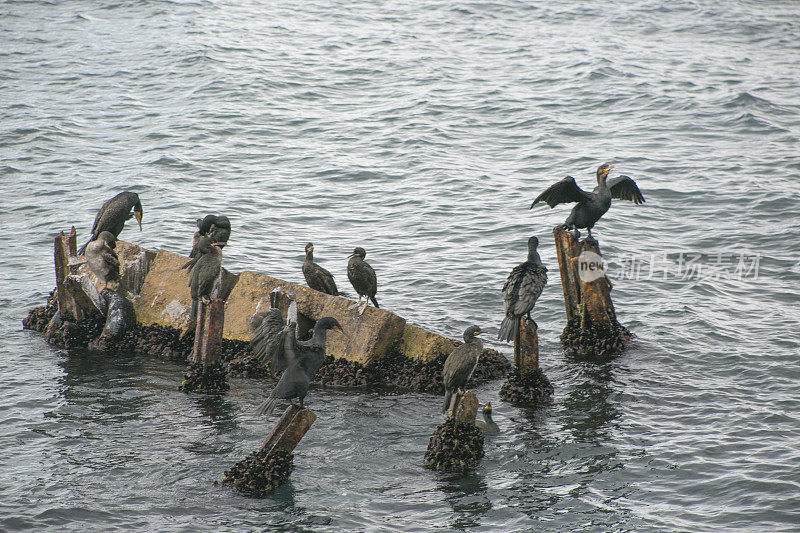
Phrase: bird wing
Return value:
(624, 188)
(371, 278)
(191, 263)
(326, 280)
(267, 341)
(523, 288)
(457, 367)
(99, 216)
(562, 192)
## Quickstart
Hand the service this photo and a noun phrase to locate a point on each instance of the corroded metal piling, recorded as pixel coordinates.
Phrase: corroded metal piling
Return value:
(592, 329)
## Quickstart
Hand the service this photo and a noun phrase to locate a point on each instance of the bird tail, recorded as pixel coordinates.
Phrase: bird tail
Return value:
(447, 396)
(508, 329)
(267, 406)
(83, 248)
(375, 302)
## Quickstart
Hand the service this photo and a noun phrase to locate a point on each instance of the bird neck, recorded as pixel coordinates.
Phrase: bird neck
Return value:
(601, 179)
(320, 336)
(487, 415)
(533, 257)
(309, 256)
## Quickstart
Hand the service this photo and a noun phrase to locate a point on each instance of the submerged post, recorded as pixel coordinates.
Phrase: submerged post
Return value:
(264, 470)
(205, 372)
(527, 386)
(592, 329)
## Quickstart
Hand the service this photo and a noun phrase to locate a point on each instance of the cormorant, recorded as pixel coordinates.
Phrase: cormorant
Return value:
(112, 216)
(299, 360)
(362, 277)
(217, 227)
(522, 289)
(591, 206)
(102, 259)
(460, 364)
(204, 271)
(487, 425)
(317, 277)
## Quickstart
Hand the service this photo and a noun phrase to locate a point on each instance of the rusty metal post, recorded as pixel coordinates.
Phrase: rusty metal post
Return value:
(64, 249)
(212, 332)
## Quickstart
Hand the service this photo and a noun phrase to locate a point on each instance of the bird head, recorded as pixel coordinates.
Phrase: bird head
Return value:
(471, 332)
(603, 170)
(533, 243)
(487, 408)
(108, 237)
(309, 247)
(137, 213)
(329, 322)
(358, 252)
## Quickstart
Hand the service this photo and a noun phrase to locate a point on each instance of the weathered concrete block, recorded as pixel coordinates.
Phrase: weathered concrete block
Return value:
(366, 338)
(423, 345)
(164, 298)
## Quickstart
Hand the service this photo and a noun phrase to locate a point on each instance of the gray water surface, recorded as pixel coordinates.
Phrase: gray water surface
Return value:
(420, 131)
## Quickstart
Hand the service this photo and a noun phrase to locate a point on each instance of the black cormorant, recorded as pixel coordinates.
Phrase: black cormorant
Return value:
(217, 227)
(362, 277)
(204, 271)
(487, 425)
(460, 364)
(522, 289)
(299, 360)
(591, 206)
(102, 259)
(317, 277)
(112, 215)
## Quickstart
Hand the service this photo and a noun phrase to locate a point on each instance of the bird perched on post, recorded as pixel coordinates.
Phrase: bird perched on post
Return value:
(317, 277)
(204, 271)
(591, 206)
(362, 278)
(521, 290)
(112, 216)
(299, 360)
(487, 425)
(102, 259)
(217, 227)
(460, 365)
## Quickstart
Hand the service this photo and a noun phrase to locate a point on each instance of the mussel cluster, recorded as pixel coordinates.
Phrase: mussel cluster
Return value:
(594, 342)
(531, 389)
(455, 447)
(211, 379)
(258, 474)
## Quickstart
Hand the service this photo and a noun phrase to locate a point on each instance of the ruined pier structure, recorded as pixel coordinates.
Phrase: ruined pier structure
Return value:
(160, 293)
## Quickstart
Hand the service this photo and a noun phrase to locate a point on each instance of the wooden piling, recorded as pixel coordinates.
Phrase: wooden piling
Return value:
(206, 373)
(466, 409)
(208, 332)
(64, 252)
(592, 328)
(526, 346)
(290, 429)
(269, 467)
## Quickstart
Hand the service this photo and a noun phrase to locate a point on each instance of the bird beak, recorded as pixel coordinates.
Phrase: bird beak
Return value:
(138, 215)
(478, 333)
(218, 243)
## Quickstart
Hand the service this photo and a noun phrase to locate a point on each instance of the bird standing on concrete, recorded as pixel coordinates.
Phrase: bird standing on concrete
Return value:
(363, 279)
(204, 271)
(591, 206)
(102, 259)
(112, 216)
(299, 360)
(521, 290)
(487, 425)
(317, 277)
(460, 365)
